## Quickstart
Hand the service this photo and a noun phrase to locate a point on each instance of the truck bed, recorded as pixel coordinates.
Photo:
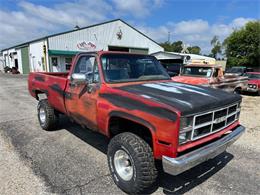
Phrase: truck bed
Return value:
(55, 74)
(52, 85)
(231, 83)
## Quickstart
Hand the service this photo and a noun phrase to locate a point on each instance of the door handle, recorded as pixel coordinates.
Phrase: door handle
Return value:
(89, 88)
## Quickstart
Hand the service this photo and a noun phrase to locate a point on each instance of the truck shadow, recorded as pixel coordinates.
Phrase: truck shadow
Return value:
(169, 184)
(95, 139)
(193, 177)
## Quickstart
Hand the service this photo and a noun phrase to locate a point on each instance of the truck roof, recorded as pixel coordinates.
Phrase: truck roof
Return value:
(109, 52)
(203, 65)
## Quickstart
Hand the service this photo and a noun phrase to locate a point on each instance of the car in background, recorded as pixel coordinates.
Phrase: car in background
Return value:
(253, 83)
(238, 71)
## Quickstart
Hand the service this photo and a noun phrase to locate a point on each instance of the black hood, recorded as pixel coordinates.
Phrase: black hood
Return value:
(188, 99)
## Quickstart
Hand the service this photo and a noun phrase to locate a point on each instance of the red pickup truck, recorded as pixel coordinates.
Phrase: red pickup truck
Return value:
(132, 100)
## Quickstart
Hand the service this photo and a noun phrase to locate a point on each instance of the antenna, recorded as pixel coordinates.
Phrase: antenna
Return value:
(77, 27)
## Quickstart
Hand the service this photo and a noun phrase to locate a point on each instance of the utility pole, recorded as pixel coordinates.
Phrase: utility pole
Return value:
(169, 36)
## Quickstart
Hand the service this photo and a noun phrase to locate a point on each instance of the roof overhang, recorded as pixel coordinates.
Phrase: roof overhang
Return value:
(166, 55)
(62, 53)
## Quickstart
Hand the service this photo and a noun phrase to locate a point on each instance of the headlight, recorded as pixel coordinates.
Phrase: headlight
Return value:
(186, 124)
(252, 86)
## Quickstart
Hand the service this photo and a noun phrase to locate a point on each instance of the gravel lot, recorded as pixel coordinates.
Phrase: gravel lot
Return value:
(72, 160)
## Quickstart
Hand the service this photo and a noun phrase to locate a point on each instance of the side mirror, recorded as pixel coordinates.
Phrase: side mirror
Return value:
(79, 78)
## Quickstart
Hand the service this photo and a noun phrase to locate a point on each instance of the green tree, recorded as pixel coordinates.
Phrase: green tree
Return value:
(172, 47)
(242, 47)
(167, 46)
(177, 46)
(194, 49)
(216, 47)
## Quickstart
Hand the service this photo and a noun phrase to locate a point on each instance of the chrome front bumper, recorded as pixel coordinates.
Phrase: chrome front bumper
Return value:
(252, 90)
(175, 166)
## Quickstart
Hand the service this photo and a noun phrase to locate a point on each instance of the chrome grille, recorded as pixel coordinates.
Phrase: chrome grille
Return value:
(214, 121)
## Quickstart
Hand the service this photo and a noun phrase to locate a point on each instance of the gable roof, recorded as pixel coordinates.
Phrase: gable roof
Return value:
(66, 32)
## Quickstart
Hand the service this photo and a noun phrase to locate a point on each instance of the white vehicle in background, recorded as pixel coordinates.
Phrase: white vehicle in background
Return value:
(173, 61)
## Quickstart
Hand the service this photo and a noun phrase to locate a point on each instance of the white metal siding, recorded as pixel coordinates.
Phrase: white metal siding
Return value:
(35, 55)
(19, 57)
(9, 61)
(103, 36)
(2, 63)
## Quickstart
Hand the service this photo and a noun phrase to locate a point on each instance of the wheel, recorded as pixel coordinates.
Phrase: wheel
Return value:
(131, 163)
(47, 117)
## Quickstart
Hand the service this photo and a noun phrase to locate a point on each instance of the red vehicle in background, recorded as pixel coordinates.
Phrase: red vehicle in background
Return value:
(253, 83)
(211, 75)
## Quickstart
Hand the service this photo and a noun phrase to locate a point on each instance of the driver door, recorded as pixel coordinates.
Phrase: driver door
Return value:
(81, 96)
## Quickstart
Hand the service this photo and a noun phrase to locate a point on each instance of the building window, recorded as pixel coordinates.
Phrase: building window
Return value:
(68, 62)
(54, 61)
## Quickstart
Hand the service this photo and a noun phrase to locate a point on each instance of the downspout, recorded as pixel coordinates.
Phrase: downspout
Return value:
(44, 58)
(48, 59)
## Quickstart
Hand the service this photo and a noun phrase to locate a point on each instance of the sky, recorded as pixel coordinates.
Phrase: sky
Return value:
(194, 22)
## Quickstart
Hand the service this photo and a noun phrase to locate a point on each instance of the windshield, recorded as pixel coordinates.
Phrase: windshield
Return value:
(253, 76)
(197, 71)
(129, 67)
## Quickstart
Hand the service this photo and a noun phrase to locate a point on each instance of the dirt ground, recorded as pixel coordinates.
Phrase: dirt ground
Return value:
(250, 118)
(73, 160)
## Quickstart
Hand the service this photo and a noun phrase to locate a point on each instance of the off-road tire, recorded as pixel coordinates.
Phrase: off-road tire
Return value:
(237, 91)
(52, 118)
(141, 155)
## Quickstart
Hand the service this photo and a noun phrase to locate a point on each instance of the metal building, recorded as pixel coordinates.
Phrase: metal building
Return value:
(54, 53)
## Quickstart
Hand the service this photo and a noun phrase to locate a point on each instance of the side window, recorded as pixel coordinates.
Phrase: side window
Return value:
(216, 71)
(96, 73)
(85, 65)
(88, 65)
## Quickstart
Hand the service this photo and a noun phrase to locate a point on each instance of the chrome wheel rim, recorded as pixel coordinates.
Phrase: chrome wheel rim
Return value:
(42, 115)
(123, 165)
